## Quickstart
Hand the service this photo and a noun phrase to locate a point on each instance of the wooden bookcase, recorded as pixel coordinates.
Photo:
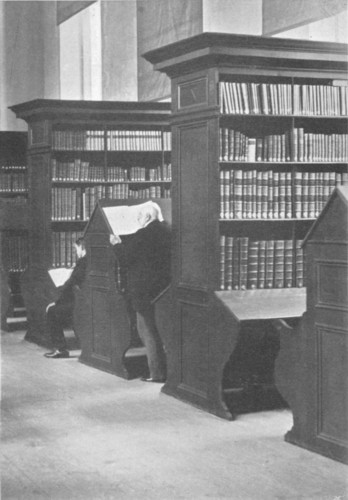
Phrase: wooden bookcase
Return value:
(240, 212)
(79, 152)
(13, 219)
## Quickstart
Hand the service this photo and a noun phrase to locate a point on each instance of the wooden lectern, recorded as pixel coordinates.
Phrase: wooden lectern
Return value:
(105, 321)
(312, 367)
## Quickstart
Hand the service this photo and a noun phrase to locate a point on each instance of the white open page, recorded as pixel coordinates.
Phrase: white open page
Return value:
(124, 219)
(60, 275)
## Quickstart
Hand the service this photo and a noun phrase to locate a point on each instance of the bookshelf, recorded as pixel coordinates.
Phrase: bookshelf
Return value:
(80, 152)
(259, 142)
(13, 218)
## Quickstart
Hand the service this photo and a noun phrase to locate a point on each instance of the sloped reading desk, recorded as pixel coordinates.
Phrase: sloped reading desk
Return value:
(105, 322)
(312, 367)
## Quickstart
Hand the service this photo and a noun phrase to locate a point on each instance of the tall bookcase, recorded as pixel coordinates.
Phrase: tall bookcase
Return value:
(79, 152)
(13, 218)
(259, 141)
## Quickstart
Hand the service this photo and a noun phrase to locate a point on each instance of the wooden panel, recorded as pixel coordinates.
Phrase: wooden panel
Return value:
(38, 133)
(194, 348)
(40, 206)
(193, 93)
(100, 260)
(332, 278)
(193, 185)
(332, 344)
(101, 325)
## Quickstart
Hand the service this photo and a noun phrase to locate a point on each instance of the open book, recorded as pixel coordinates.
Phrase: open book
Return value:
(60, 275)
(124, 219)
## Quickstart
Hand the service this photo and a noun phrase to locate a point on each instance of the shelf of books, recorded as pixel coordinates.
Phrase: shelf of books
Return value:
(262, 123)
(80, 152)
(13, 216)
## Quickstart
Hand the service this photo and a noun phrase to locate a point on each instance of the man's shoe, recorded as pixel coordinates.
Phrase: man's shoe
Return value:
(57, 354)
(156, 380)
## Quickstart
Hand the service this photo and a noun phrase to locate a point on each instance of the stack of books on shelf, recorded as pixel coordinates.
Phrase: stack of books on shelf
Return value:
(83, 171)
(272, 194)
(138, 140)
(63, 254)
(296, 145)
(283, 99)
(13, 179)
(15, 252)
(263, 264)
(77, 204)
(78, 140)
(76, 171)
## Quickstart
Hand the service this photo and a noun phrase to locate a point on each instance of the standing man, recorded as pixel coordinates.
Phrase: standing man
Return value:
(146, 257)
(60, 313)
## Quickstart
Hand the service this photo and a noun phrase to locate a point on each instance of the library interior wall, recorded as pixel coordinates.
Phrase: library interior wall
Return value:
(233, 16)
(281, 16)
(161, 23)
(28, 56)
(79, 55)
(119, 54)
(29, 48)
(331, 29)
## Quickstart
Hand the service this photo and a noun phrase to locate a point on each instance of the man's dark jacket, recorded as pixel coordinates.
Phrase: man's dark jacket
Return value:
(66, 293)
(146, 256)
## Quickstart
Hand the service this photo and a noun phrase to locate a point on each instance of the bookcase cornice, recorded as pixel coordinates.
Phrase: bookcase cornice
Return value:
(98, 111)
(220, 49)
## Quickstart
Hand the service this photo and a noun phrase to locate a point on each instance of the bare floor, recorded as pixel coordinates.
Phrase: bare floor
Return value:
(72, 432)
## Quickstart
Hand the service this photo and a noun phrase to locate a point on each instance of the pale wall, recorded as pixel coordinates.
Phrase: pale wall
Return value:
(332, 29)
(28, 56)
(119, 50)
(233, 16)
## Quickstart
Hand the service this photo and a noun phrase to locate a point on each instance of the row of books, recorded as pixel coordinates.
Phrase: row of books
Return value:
(12, 167)
(142, 174)
(253, 194)
(111, 140)
(248, 264)
(63, 253)
(283, 99)
(16, 199)
(138, 140)
(13, 182)
(83, 171)
(77, 204)
(15, 252)
(295, 145)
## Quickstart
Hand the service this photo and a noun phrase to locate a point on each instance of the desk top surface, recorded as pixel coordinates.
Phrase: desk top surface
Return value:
(249, 305)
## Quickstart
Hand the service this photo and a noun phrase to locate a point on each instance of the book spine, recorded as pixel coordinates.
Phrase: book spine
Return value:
(279, 259)
(299, 264)
(229, 263)
(222, 262)
(243, 263)
(269, 274)
(261, 281)
(288, 263)
(235, 266)
(275, 208)
(253, 256)
(238, 194)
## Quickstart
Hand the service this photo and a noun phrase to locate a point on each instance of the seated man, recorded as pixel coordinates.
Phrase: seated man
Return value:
(146, 257)
(60, 313)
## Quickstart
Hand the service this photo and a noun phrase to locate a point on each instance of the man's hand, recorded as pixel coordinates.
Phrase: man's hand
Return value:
(114, 239)
(50, 305)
